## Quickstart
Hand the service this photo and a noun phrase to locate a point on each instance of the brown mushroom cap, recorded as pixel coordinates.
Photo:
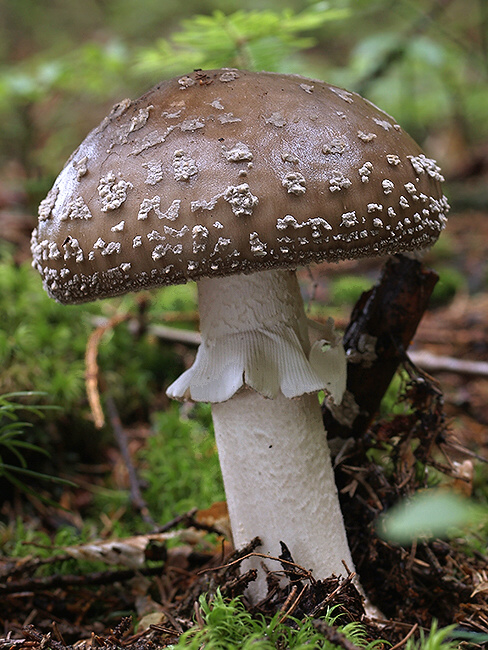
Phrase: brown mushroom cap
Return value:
(228, 171)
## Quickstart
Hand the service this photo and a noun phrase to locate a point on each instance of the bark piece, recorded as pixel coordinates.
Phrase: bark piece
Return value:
(383, 323)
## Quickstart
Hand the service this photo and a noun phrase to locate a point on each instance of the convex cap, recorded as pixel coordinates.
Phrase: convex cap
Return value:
(227, 171)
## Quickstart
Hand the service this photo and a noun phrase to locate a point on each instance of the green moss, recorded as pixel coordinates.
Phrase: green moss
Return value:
(451, 281)
(347, 289)
(180, 463)
(227, 624)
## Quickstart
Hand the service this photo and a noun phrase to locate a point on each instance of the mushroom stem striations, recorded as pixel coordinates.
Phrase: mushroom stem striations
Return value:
(257, 367)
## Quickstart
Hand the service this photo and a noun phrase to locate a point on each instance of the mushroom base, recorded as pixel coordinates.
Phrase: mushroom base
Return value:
(279, 482)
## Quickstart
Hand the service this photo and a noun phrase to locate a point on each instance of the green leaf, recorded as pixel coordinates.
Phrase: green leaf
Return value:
(427, 514)
(9, 469)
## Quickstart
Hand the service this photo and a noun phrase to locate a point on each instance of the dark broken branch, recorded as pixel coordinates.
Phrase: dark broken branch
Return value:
(382, 325)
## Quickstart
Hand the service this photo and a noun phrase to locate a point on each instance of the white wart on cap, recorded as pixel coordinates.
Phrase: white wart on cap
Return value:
(224, 172)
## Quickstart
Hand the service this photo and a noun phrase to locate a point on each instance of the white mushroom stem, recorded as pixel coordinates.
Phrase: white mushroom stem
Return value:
(258, 368)
(279, 482)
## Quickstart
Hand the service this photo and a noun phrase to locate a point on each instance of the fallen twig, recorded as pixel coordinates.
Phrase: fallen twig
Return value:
(436, 363)
(95, 578)
(10, 643)
(136, 497)
(406, 638)
(91, 367)
(291, 603)
(164, 332)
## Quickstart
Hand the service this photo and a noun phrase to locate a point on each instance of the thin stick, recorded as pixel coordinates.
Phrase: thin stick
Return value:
(177, 520)
(306, 574)
(136, 497)
(437, 363)
(91, 367)
(288, 612)
(405, 639)
(164, 332)
(95, 578)
(9, 643)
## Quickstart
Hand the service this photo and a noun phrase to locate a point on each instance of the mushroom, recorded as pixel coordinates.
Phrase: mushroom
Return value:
(233, 179)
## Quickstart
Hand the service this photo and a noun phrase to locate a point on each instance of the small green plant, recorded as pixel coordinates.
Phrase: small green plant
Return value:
(12, 440)
(392, 403)
(224, 624)
(227, 624)
(436, 639)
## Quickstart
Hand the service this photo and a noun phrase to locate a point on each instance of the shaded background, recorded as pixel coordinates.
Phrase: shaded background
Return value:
(63, 63)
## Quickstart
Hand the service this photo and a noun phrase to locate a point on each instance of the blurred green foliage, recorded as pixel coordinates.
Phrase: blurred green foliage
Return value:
(451, 281)
(429, 514)
(244, 39)
(346, 289)
(63, 64)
